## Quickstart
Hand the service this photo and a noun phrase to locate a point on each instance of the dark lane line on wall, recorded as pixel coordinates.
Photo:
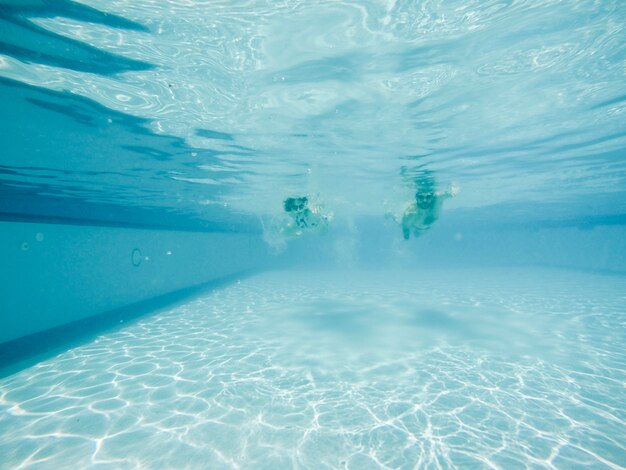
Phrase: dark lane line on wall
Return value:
(24, 352)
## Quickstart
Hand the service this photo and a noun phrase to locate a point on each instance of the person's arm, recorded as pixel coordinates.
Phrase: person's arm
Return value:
(452, 191)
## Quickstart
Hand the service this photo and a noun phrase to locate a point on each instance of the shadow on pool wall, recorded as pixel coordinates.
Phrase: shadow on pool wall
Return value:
(599, 247)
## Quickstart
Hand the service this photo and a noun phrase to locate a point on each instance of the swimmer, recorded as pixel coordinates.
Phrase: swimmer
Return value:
(418, 216)
(304, 218)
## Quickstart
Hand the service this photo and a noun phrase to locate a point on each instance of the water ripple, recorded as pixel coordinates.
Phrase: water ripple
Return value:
(364, 84)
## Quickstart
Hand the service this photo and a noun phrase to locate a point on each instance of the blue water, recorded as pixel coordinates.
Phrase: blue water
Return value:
(151, 147)
(386, 369)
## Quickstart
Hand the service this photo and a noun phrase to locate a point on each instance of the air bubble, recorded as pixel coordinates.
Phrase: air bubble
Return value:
(135, 257)
(24, 246)
(39, 237)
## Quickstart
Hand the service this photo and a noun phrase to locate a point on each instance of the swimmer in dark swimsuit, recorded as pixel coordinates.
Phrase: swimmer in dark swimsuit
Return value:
(304, 218)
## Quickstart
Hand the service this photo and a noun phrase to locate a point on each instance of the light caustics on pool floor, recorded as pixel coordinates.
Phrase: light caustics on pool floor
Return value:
(341, 370)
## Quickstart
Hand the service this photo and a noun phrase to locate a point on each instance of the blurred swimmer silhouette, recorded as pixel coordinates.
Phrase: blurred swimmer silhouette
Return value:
(304, 218)
(418, 216)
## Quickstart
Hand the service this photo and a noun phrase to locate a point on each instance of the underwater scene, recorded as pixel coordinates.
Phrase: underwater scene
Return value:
(312, 234)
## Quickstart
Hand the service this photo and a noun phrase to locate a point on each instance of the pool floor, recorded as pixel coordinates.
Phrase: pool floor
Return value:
(295, 369)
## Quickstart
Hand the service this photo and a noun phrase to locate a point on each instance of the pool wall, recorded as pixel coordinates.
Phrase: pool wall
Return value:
(58, 275)
(374, 244)
(54, 274)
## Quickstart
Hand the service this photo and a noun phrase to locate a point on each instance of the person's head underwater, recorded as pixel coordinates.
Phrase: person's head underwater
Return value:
(425, 195)
(304, 217)
(424, 200)
(295, 204)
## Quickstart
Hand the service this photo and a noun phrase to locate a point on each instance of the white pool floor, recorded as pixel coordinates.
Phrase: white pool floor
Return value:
(442, 369)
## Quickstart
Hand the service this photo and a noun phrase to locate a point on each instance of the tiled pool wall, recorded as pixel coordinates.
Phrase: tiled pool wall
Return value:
(54, 274)
(371, 243)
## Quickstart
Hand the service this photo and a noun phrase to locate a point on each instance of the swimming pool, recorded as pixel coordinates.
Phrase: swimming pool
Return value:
(312, 235)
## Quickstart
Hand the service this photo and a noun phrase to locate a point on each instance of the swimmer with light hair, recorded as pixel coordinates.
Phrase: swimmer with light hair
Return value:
(419, 216)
